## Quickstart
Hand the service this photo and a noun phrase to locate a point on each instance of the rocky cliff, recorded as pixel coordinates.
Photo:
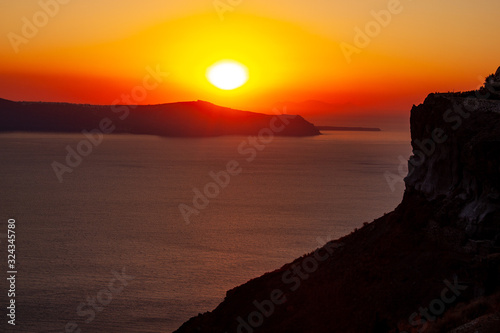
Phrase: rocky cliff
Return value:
(456, 160)
(432, 264)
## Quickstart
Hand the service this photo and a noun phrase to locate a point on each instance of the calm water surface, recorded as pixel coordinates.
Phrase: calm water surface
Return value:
(119, 210)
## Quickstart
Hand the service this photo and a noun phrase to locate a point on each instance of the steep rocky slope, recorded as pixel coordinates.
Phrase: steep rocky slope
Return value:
(432, 264)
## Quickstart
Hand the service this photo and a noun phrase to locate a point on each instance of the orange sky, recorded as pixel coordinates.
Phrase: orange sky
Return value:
(94, 51)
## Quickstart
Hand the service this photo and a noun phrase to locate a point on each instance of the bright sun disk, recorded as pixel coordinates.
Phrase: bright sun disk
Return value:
(227, 74)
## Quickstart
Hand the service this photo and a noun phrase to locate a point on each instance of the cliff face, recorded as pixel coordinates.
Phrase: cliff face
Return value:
(432, 264)
(456, 161)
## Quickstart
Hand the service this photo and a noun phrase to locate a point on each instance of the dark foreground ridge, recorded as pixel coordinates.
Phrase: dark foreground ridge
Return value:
(184, 119)
(432, 264)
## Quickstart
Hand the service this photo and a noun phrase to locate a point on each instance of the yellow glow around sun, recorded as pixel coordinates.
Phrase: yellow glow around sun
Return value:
(227, 74)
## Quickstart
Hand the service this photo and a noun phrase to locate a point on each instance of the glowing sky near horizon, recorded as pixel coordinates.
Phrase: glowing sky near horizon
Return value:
(94, 51)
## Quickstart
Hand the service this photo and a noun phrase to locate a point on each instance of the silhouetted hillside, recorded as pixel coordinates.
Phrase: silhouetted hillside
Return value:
(433, 264)
(192, 119)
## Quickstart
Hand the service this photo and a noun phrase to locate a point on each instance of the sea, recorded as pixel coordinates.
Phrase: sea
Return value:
(140, 233)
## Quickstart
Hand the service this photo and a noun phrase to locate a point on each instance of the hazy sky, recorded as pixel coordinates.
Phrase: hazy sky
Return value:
(94, 51)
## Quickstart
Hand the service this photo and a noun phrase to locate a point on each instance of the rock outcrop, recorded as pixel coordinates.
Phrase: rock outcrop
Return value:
(432, 264)
(456, 160)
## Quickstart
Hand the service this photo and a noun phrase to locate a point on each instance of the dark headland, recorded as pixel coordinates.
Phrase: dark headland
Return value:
(432, 264)
(183, 119)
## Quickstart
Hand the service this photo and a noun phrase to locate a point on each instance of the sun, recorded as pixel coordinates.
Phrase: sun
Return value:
(227, 74)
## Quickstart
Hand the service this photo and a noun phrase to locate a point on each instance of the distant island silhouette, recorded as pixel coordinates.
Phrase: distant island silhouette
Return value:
(346, 128)
(182, 119)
